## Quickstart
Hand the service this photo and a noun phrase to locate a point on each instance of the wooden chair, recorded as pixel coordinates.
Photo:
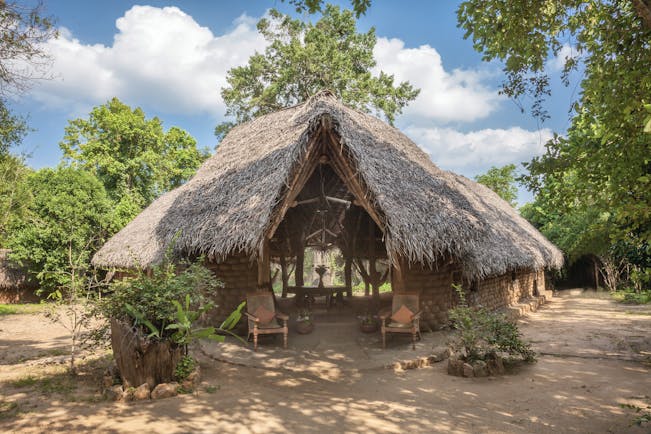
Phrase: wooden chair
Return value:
(263, 318)
(404, 317)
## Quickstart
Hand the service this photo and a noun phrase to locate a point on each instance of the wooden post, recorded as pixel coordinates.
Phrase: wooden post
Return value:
(298, 272)
(348, 276)
(264, 266)
(283, 275)
(372, 270)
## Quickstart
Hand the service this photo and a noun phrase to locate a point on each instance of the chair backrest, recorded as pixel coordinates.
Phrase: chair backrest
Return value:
(409, 299)
(256, 299)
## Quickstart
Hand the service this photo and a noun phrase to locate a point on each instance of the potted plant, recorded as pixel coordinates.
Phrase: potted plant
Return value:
(368, 323)
(304, 323)
(154, 317)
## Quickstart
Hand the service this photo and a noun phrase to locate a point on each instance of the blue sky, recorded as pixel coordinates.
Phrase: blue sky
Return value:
(170, 58)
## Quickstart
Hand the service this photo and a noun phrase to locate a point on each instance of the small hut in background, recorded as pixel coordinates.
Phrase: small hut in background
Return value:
(16, 286)
(323, 175)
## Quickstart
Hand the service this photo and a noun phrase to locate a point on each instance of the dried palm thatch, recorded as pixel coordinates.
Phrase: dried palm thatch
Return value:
(229, 205)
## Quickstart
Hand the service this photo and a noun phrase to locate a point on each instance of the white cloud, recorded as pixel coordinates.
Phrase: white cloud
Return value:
(476, 151)
(160, 57)
(445, 96)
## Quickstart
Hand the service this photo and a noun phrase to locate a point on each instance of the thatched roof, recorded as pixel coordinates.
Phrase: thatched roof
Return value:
(11, 275)
(427, 213)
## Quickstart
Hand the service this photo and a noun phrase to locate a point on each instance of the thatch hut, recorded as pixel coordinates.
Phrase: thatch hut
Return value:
(15, 283)
(324, 175)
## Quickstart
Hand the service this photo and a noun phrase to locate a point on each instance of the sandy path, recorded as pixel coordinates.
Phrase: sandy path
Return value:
(578, 390)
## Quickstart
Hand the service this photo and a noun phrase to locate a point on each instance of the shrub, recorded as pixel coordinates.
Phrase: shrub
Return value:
(184, 368)
(151, 300)
(481, 334)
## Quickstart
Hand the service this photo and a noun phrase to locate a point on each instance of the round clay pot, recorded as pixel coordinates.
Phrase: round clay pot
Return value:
(304, 327)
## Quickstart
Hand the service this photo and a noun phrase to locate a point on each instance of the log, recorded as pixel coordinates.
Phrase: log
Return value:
(141, 360)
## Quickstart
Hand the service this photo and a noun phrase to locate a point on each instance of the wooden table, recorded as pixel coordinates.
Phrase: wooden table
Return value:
(331, 293)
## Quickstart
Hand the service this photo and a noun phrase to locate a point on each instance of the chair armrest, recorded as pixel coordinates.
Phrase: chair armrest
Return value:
(282, 316)
(251, 317)
(416, 316)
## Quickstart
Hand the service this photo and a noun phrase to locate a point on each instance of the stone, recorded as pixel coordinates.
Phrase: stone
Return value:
(165, 390)
(480, 369)
(113, 393)
(128, 394)
(440, 353)
(495, 366)
(195, 376)
(468, 370)
(455, 366)
(187, 386)
(142, 392)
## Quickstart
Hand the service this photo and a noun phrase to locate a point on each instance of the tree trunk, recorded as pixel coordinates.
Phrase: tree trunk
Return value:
(142, 360)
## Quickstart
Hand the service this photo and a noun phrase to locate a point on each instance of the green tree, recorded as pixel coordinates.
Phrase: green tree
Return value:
(606, 150)
(313, 6)
(15, 194)
(592, 186)
(23, 30)
(132, 156)
(67, 222)
(502, 181)
(304, 58)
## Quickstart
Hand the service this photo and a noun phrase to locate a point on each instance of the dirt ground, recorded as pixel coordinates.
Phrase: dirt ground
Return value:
(595, 355)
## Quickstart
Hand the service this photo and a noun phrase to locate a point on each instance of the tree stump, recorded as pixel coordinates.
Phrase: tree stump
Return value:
(141, 360)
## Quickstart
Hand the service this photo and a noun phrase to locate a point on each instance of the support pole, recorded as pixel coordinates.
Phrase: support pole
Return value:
(372, 270)
(348, 276)
(264, 266)
(283, 275)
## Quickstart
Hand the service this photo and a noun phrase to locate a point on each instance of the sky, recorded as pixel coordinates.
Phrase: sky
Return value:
(171, 58)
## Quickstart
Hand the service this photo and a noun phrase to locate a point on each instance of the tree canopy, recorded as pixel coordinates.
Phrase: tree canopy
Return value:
(304, 58)
(502, 181)
(314, 6)
(66, 223)
(22, 31)
(134, 158)
(600, 171)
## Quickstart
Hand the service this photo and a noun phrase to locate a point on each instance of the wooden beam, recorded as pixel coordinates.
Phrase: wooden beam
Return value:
(303, 172)
(340, 165)
(264, 266)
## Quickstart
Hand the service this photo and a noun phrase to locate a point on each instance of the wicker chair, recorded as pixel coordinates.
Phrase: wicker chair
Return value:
(263, 318)
(404, 317)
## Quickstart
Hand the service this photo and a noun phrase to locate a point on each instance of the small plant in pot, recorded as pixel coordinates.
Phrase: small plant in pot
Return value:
(304, 323)
(368, 323)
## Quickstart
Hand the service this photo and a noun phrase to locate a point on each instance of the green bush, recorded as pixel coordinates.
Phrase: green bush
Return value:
(184, 368)
(481, 334)
(151, 300)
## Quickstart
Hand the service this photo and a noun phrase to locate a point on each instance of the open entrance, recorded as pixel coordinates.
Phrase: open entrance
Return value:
(328, 242)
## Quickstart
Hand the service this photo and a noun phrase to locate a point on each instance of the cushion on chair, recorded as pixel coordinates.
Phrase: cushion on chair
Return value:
(264, 315)
(402, 315)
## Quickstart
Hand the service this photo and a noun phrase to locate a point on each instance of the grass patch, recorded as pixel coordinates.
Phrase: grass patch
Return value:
(8, 409)
(27, 381)
(628, 297)
(26, 308)
(61, 383)
(211, 389)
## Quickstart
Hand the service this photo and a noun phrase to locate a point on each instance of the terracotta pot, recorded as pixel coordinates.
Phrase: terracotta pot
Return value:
(304, 327)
